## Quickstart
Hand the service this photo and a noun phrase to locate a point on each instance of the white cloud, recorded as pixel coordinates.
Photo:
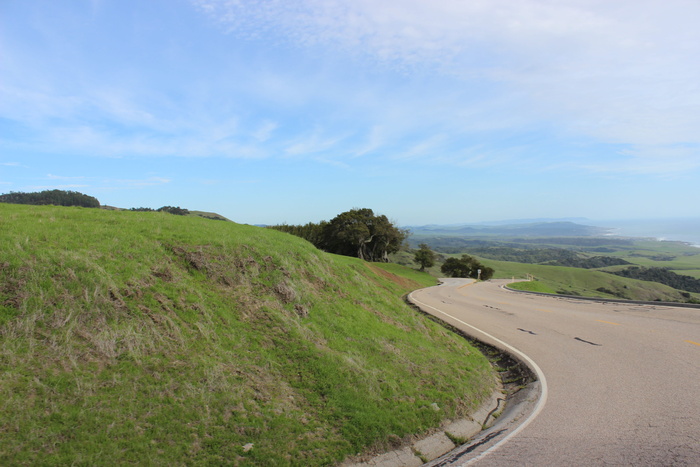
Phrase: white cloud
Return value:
(265, 131)
(199, 139)
(313, 143)
(453, 82)
(622, 72)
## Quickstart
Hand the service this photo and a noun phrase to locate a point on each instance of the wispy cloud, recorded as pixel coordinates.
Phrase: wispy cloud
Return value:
(617, 72)
(317, 141)
(380, 79)
(301, 96)
(265, 131)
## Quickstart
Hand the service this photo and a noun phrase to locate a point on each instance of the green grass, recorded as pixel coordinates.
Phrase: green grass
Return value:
(208, 215)
(688, 272)
(405, 258)
(677, 256)
(532, 286)
(148, 338)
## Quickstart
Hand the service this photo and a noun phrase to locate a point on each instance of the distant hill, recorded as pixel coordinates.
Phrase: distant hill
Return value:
(535, 229)
(578, 220)
(209, 215)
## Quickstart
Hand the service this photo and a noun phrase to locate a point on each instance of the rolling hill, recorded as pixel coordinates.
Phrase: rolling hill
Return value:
(141, 337)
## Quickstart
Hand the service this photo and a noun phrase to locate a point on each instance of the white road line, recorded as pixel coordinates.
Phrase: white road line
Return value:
(540, 376)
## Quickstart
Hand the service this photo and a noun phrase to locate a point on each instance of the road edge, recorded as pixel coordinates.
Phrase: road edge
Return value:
(519, 397)
(528, 404)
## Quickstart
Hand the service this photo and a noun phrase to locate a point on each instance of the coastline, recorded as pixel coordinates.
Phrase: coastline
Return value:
(686, 231)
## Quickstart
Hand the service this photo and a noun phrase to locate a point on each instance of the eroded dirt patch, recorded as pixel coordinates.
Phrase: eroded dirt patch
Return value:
(404, 283)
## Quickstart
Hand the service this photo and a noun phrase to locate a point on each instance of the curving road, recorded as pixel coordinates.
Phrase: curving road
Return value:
(620, 382)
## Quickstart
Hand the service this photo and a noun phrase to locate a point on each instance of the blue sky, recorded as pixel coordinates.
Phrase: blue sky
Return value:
(447, 111)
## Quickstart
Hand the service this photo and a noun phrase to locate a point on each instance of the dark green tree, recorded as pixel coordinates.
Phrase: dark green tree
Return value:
(454, 267)
(361, 233)
(424, 256)
(311, 232)
(358, 232)
(466, 266)
(662, 276)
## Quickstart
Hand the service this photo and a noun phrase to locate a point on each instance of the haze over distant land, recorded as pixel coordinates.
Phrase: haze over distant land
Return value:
(439, 112)
(681, 229)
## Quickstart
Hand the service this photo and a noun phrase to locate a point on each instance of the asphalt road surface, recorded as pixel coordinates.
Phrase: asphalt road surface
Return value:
(620, 383)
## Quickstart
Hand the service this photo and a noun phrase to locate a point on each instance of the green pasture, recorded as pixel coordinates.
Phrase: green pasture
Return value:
(677, 256)
(148, 338)
(584, 282)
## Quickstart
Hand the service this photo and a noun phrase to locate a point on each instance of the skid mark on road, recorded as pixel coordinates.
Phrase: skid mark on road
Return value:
(587, 342)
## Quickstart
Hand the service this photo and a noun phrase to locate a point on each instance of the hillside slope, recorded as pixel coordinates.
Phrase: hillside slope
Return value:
(131, 337)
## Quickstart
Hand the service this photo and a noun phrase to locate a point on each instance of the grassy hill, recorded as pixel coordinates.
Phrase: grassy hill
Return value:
(208, 215)
(147, 338)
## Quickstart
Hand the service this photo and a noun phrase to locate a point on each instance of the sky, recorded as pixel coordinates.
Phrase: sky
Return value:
(293, 111)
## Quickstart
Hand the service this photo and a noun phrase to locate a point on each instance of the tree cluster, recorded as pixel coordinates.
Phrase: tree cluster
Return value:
(358, 232)
(593, 262)
(177, 210)
(54, 197)
(466, 266)
(310, 232)
(662, 276)
(551, 256)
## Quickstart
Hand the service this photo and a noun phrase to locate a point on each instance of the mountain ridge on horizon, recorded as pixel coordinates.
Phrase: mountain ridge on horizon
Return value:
(540, 220)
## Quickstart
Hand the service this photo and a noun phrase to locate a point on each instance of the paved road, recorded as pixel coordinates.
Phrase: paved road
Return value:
(621, 381)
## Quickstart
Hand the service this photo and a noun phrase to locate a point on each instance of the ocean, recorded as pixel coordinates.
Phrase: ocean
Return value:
(681, 230)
